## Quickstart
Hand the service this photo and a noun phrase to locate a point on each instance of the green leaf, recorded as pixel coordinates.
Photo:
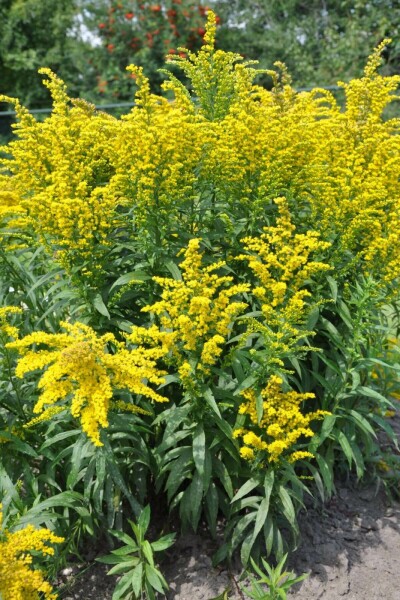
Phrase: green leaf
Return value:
(164, 542)
(138, 276)
(269, 529)
(222, 472)
(207, 470)
(259, 408)
(370, 393)
(262, 515)
(245, 384)
(63, 500)
(240, 528)
(326, 473)
(153, 577)
(19, 445)
(123, 566)
(196, 496)
(363, 423)
(174, 270)
(147, 551)
(383, 423)
(100, 306)
(137, 580)
(344, 444)
(185, 507)
(123, 584)
(220, 555)
(269, 483)
(119, 481)
(125, 538)
(209, 398)
(199, 448)
(172, 440)
(212, 506)
(247, 487)
(358, 459)
(113, 559)
(287, 507)
(246, 547)
(59, 438)
(180, 470)
(334, 288)
(144, 519)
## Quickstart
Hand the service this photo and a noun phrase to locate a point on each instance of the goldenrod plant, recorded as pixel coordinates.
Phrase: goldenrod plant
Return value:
(198, 301)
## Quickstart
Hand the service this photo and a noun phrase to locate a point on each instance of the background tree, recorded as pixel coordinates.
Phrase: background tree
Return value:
(37, 33)
(320, 41)
(143, 33)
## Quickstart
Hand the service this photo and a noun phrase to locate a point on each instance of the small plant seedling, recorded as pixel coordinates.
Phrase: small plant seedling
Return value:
(277, 580)
(141, 579)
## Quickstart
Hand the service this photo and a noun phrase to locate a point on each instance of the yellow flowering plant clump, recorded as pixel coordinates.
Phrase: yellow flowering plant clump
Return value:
(18, 579)
(81, 369)
(282, 424)
(58, 169)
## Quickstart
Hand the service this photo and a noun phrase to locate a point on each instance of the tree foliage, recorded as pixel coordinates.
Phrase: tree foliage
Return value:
(36, 33)
(319, 41)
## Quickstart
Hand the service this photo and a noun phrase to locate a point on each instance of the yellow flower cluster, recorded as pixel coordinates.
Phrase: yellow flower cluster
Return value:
(196, 313)
(281, 426)
(18, 580)
(281, 260)
(5, 328)
(80, 368)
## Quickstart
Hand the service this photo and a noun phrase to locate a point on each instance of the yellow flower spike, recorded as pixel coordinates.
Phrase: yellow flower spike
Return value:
(81, 371)
(197, 311)
(211, 29)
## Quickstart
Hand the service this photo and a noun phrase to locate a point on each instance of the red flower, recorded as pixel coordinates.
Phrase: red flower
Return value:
(182, 54)
(171, 51)
(102, 25)
(129, 15)
(155, 8)
(110, 47)
(201, 31)
(171, 12)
